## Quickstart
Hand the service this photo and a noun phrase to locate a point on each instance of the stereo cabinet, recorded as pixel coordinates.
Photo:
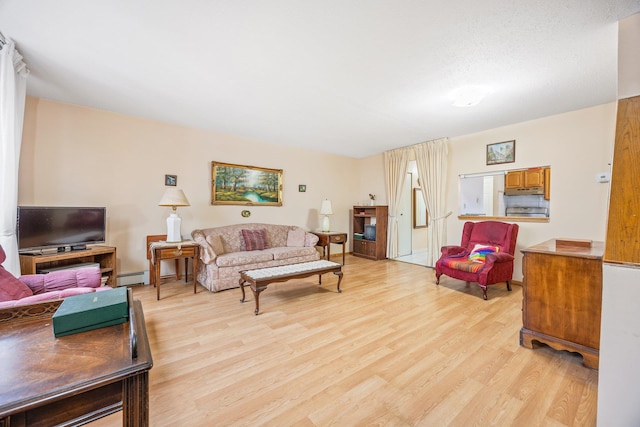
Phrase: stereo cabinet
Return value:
(364, 216)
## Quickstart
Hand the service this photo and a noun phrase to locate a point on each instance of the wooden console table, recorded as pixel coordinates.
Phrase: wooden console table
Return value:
(562, 298)
(326, 238)
(75, 379)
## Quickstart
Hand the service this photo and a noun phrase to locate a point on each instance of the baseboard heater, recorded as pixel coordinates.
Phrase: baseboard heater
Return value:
(130, 279)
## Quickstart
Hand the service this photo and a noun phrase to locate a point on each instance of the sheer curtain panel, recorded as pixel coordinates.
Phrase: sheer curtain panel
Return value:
(431, 160)
(396, 163)
(13, 89)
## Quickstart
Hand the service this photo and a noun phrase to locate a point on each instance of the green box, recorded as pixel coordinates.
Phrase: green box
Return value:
(85, 312)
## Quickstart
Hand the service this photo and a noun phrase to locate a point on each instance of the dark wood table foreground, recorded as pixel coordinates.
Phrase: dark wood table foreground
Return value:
(76, 379)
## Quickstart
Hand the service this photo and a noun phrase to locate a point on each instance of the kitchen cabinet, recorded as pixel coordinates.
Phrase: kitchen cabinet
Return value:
(525, 178)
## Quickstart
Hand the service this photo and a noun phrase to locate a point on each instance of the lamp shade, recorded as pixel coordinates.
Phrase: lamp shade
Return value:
(174, 197)
(325, 208)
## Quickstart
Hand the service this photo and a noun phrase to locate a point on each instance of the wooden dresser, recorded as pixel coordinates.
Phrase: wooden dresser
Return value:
(562, 298)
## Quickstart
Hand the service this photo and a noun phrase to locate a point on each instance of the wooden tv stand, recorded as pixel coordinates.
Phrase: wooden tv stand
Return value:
(103, 255)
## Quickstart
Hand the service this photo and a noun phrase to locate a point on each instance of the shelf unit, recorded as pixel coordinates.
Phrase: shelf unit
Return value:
(369, 215)
(103, 255)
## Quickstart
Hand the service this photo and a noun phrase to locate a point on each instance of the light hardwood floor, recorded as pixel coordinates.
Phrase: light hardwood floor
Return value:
(393, 349)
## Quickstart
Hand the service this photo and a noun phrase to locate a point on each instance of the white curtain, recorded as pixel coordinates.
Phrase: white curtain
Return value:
(431, 160)
(13, 89)
(396, 163)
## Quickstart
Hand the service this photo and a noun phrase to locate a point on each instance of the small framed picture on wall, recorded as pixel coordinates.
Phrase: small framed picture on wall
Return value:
(171, 180)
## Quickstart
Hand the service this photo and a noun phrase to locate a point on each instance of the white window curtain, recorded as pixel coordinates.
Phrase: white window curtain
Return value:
(396, 164)
(13, 89)
(431, 161)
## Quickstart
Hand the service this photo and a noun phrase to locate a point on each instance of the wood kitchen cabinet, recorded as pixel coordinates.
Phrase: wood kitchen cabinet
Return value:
(525, 178)
(562, 298)
(514, 179)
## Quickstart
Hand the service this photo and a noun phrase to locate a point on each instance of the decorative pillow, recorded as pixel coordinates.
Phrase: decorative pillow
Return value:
(479, 252)
(12, 288)
(215, 240)
(295, 238)
(255, 240)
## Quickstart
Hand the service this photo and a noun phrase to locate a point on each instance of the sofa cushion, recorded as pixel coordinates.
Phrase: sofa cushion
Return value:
(243, 258)
(12, 288)
(255, 240)
(286, 253)
(479, 252)
(295, 237)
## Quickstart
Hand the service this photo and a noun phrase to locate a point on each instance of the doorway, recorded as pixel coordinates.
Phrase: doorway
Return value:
(412, 242)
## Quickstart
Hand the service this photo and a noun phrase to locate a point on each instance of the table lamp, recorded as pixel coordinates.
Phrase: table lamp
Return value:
(174, 197)
(326, 210)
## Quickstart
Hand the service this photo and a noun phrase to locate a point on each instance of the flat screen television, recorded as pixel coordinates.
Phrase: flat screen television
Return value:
(47, 227)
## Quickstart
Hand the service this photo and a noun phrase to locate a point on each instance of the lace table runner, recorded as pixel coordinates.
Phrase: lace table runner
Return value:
(262, 273)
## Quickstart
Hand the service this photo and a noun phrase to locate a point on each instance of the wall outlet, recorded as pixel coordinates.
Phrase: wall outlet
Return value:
(603, 177)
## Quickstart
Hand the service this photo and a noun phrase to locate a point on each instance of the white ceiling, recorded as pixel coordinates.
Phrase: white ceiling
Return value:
(342, 76)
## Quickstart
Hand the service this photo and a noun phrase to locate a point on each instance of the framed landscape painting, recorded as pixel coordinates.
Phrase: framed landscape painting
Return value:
(245, 185)
(501, 152)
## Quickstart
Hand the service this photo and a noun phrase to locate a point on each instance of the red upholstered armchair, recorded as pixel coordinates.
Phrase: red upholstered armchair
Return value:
(485, 255)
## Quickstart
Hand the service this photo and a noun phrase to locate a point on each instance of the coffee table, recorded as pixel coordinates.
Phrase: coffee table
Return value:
(260, 278)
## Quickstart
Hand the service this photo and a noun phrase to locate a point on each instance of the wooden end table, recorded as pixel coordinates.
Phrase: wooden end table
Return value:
(260, 278)
(326, 238)
(161, 250)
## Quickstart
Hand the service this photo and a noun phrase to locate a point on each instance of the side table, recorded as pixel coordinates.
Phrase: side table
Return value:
(328, 237)
(161, 250)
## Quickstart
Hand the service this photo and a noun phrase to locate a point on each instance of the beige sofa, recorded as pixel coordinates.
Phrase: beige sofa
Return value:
(223, 251)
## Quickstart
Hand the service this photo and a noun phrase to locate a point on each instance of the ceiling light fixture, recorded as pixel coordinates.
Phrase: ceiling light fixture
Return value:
(470, 95)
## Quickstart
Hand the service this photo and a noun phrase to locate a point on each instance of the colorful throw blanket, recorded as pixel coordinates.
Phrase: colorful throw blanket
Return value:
(463, 264)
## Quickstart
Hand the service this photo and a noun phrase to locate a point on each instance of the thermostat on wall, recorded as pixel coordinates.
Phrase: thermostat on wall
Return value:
(603, 177)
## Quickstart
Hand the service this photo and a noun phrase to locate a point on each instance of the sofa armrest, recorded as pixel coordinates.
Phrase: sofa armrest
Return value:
(310, 239)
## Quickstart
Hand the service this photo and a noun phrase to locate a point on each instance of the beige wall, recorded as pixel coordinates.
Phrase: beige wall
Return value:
(576, 145)
(79, 156)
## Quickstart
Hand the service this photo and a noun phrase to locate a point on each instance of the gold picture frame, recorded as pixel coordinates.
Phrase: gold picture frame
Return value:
(245, 185)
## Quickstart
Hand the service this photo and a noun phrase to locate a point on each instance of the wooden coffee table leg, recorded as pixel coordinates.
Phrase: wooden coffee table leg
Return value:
(339, 273)
(256, 295)
(242, 288)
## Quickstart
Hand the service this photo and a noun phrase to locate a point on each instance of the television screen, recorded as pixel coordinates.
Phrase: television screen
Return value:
(44, 227)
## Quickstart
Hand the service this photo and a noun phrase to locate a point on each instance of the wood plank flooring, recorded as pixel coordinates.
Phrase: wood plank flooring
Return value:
(393, 349)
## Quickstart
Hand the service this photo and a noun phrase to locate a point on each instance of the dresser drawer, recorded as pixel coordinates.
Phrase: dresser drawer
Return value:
(168, 253)
(338, 238)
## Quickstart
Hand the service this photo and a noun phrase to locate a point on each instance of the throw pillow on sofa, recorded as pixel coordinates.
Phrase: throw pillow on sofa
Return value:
(255, 240)
(295, 238)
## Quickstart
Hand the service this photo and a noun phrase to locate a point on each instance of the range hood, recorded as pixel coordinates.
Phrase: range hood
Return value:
(523, 191)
